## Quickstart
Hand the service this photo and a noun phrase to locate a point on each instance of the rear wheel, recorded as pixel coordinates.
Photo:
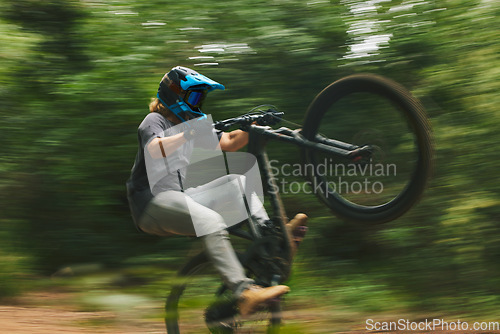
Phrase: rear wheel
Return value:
(369, 110)
(199, 303)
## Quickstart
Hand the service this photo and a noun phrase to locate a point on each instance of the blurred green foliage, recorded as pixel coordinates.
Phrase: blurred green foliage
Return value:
(76, 78)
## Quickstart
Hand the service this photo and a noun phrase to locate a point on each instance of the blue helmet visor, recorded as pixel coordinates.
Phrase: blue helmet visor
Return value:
(194, 98)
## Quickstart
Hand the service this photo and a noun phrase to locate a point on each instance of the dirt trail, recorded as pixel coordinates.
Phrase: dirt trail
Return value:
(52, 313)
(49, 313)
(39, 320)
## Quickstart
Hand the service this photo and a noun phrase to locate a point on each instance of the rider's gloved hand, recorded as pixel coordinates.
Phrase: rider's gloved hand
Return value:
(198, 129)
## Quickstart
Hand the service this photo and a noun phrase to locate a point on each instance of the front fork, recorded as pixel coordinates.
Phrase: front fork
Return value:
(256, 147)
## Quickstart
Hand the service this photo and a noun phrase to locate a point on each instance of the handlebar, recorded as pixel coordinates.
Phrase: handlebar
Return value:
(269, 117)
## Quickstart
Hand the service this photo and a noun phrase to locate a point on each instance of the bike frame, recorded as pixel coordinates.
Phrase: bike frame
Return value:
(258, 138)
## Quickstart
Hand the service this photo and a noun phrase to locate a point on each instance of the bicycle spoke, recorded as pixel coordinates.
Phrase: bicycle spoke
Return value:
(367, 119)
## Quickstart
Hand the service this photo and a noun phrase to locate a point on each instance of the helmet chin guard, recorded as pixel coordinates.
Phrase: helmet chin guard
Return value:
(182, 108)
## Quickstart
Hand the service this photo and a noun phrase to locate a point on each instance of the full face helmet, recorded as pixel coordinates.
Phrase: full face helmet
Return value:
(182, 90)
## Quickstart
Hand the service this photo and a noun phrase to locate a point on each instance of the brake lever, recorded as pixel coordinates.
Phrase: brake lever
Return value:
(271, 117)
(223, 125)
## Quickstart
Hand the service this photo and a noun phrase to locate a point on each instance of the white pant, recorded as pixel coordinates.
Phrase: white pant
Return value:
(176, 212)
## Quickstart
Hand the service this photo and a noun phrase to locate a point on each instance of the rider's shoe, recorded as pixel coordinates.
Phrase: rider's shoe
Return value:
(255, 295)
(298, 227)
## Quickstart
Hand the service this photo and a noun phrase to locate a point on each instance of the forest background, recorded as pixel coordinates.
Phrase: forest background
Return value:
(77, 76)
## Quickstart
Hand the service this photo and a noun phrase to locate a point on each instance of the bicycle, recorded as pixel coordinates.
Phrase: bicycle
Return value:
(397, 132)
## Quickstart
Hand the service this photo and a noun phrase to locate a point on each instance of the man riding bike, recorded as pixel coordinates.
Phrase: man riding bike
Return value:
(167, 208)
